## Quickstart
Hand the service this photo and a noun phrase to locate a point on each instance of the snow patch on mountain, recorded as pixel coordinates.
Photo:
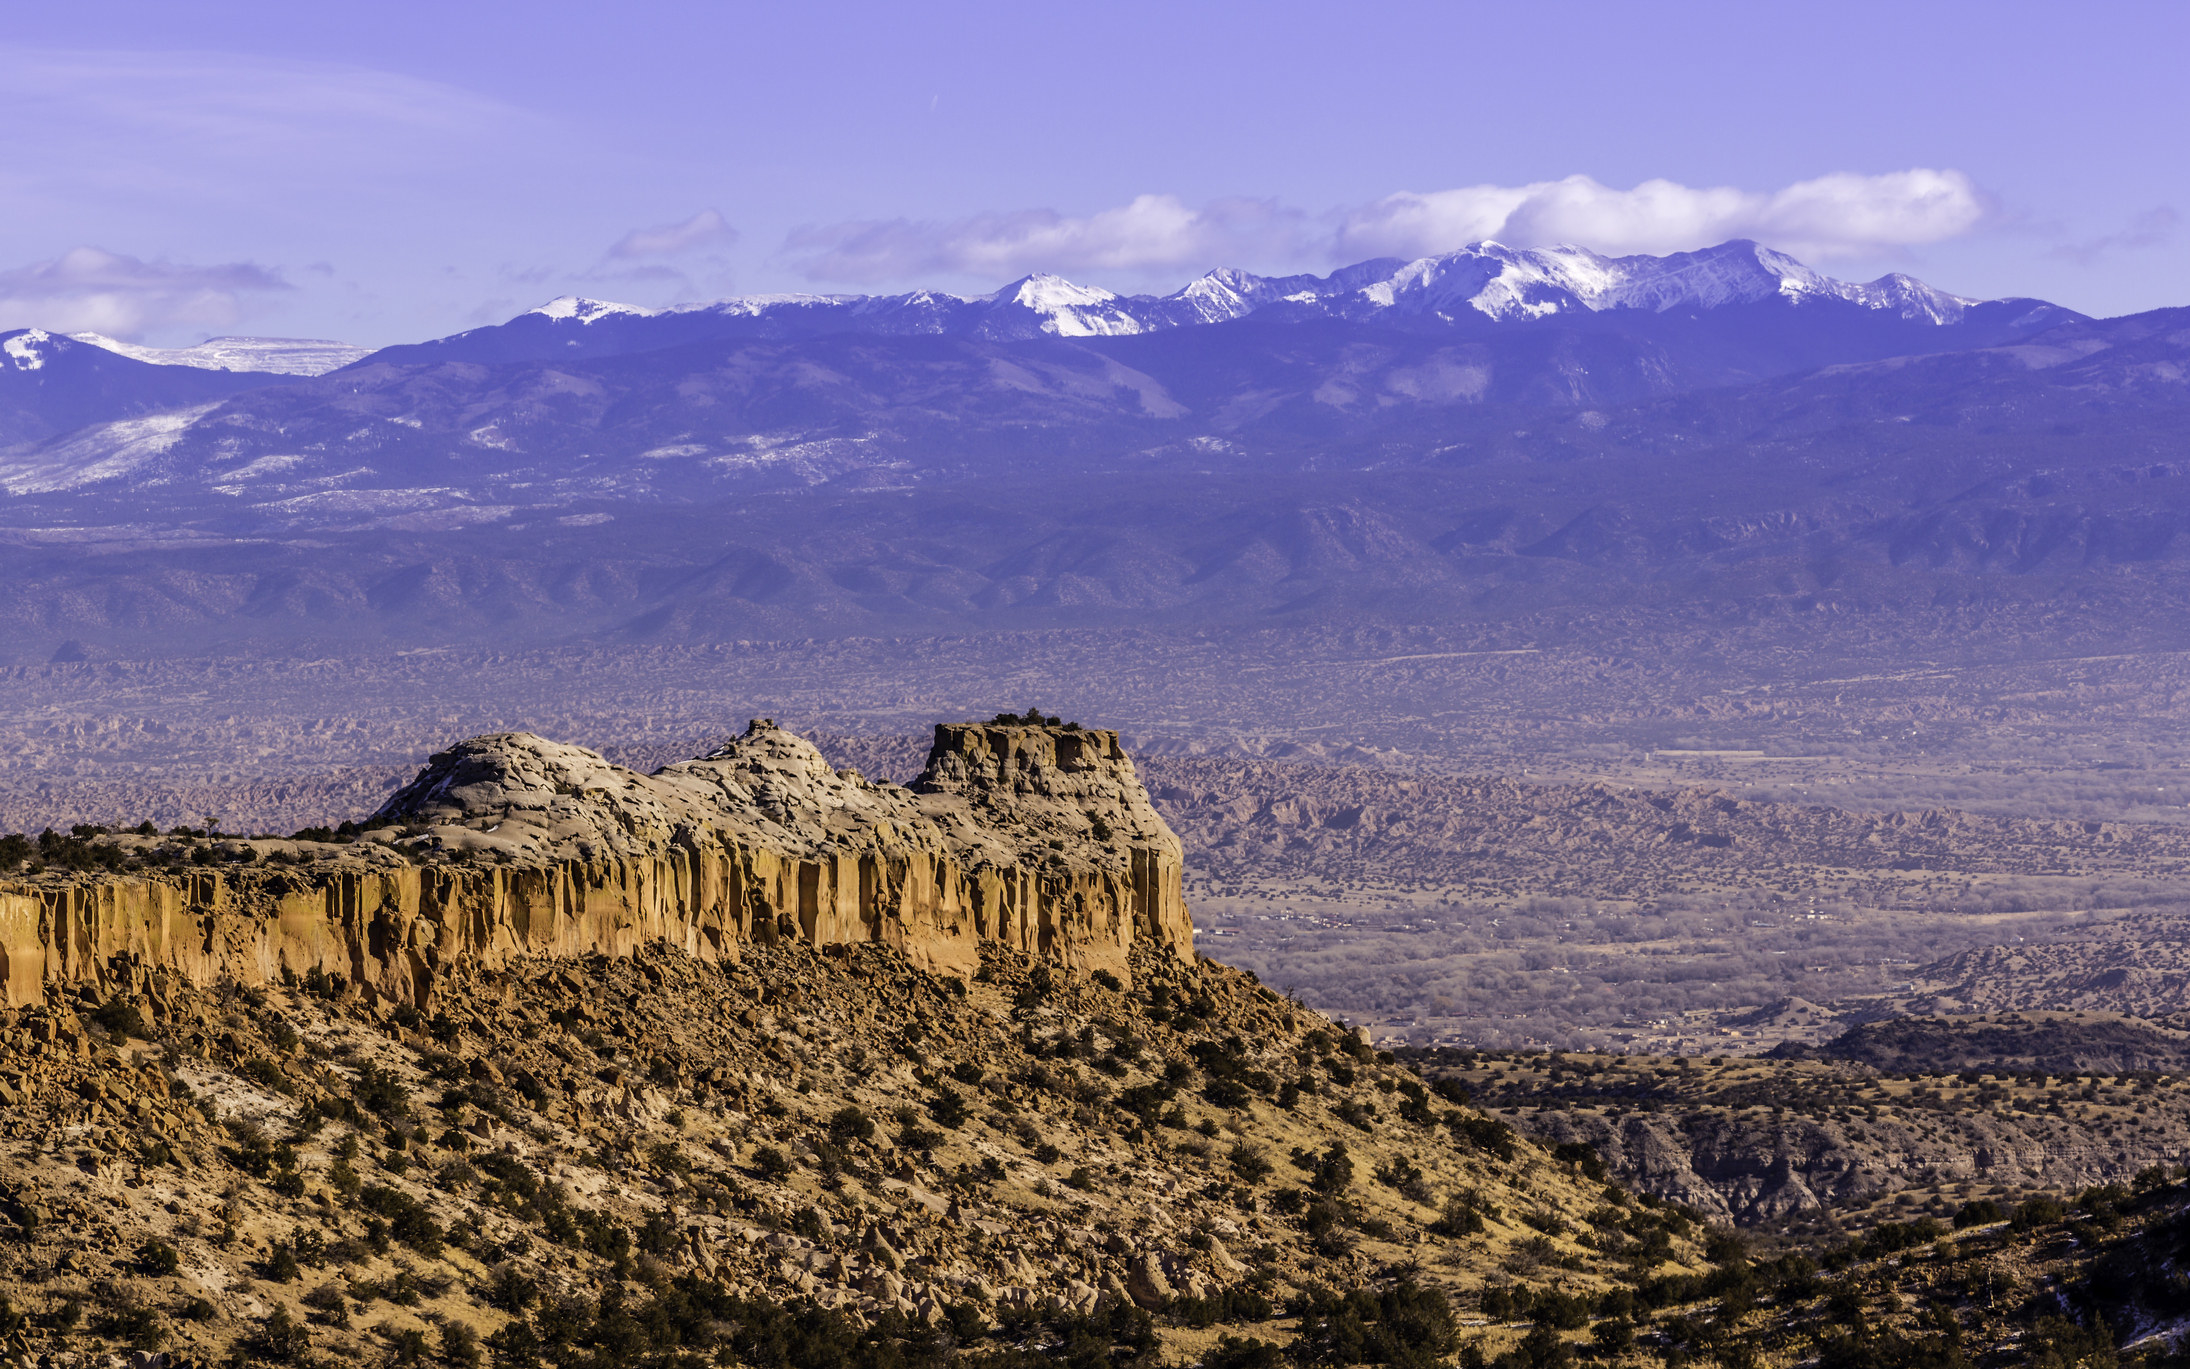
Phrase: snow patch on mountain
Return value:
(105, 451)
(583, 310)
(25, 350)
(754, 305)
(286, 356)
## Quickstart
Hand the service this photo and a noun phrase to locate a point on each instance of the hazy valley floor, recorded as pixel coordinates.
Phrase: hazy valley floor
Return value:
(1644, 834)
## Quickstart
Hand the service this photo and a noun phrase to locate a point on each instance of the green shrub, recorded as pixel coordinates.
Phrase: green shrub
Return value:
(1329, 1173)
(408, 1220)
(406, 1346)
(913, 1136)
(1486, 1134)
(1229, 1094)
(1249, 1163)
(2043, 1210)
(157, 1259)
(948, 1108)
(1229, 1306)
(1355, 1114)
(266, 1074)
(117, 1015)
(1458, 1219)
(1560, 1310)
(849, 1124)
(281, 1265)
(670, 1158)
(1233, 1352)
(1406, 1178)
(280, 1339)
(1583, 1155)
(328, 1302)
(771, 1164)
(129, 1321)
(1403, 1323)
(378, 1090)
(1977, 1212)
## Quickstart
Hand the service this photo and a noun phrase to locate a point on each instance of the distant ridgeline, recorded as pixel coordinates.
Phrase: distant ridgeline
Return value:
(1027, 832)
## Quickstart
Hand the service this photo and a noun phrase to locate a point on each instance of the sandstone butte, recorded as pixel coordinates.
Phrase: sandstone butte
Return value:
(1041, 839)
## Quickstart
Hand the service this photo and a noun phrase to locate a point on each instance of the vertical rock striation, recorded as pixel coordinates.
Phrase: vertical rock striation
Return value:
(1039, 838)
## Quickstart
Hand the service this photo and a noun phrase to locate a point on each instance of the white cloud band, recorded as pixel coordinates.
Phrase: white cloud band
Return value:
(1831, 216)
(1154, 232)
(86, 290)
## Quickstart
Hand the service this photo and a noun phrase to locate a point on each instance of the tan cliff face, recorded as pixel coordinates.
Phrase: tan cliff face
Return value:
(1040, 839)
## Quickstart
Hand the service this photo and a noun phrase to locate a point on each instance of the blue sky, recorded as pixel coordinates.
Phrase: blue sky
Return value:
(404, 170)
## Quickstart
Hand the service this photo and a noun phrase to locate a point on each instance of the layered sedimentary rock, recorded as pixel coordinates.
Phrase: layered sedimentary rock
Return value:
(1038, 838)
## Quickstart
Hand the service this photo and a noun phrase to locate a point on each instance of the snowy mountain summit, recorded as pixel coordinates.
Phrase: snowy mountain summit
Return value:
(1486, 280)
(1503, 282)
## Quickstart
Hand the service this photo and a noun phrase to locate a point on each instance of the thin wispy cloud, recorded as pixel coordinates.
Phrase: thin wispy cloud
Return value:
(1154, 232)
(1832, 216)
(87, 290)
(221, 126)
(707, 228)
(2155, 227)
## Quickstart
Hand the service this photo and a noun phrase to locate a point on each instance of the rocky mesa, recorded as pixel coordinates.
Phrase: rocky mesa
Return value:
(1033, 836)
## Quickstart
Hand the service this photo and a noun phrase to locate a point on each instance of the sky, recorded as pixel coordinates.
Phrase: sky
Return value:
(404, 170)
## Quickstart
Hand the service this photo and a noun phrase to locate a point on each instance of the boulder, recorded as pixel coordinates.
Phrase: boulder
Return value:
(1145, 1282)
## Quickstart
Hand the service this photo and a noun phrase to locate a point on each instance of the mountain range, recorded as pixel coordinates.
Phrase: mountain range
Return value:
(1692, 410)
(1487, 281)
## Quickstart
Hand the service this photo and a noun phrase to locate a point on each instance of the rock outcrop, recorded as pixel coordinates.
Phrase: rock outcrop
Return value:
(1037, 838)
(1749, 1170)
(1761, 1142)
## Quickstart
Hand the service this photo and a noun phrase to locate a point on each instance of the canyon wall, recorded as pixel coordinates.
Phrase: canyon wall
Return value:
(1036, 838)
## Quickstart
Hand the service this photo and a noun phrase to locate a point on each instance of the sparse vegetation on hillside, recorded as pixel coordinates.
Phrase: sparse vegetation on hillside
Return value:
(834, 1155)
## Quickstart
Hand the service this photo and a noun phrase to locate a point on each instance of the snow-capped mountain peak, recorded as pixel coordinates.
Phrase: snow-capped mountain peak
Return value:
(1484, 281)
(1518, 283)
(1495, 280)
(1070, 310)
(1228, 293)
(1047, 293)
(585, 310)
